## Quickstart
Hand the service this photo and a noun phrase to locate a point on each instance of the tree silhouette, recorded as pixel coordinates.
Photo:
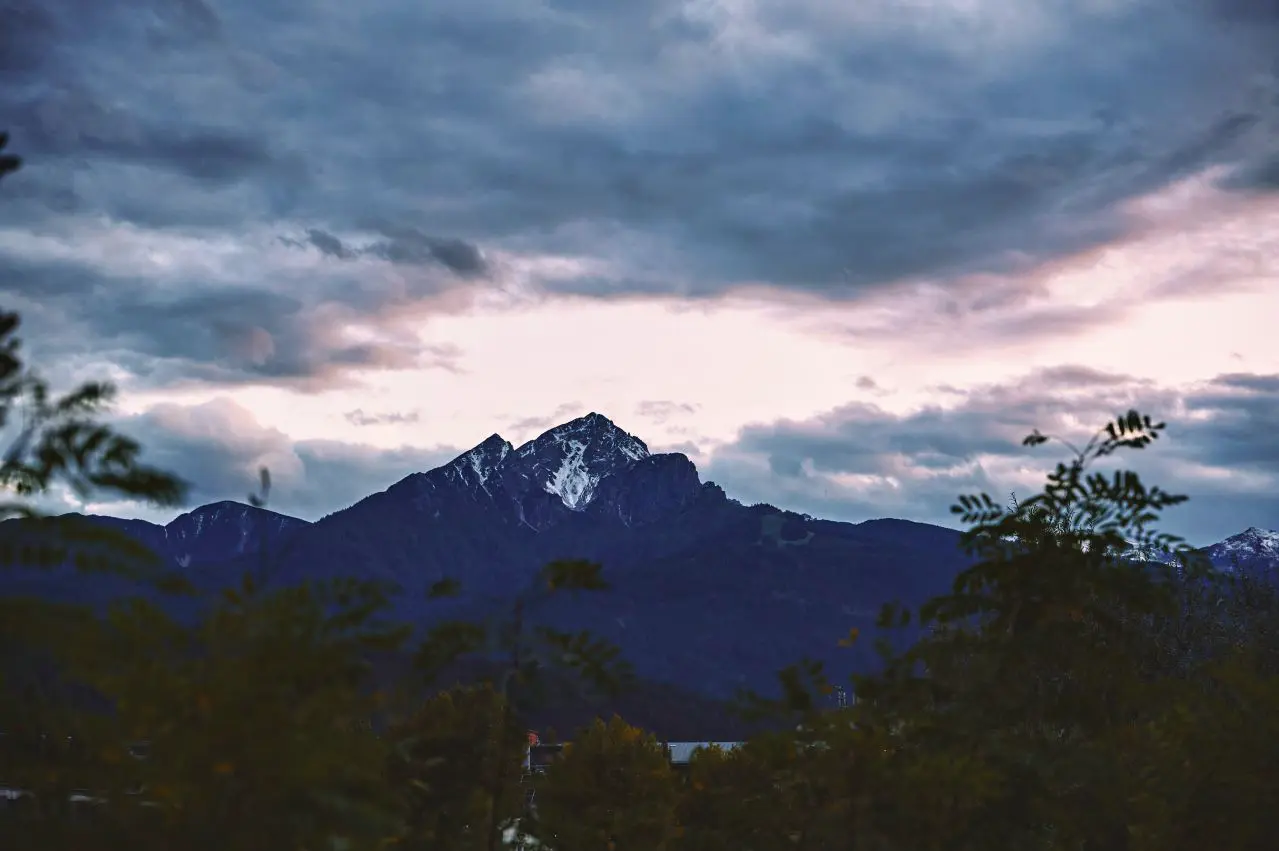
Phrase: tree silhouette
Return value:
(612, 788)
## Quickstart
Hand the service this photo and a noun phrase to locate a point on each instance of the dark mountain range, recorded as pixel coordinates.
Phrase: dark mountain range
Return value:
(219, 531)
(707, 594)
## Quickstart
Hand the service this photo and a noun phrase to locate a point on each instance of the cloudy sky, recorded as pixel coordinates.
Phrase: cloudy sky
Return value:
(843, 254)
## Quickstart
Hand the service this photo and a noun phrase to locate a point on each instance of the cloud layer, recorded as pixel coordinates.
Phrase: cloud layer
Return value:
(859, 461)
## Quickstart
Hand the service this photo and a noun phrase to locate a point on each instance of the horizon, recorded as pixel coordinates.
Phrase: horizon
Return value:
(169, 515)
(843, 256)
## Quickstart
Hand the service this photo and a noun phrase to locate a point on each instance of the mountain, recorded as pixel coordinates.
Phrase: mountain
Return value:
(707, 594)
(1253, 550)
(217, 533)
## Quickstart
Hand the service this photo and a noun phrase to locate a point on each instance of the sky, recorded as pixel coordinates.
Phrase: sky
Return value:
(843, 255)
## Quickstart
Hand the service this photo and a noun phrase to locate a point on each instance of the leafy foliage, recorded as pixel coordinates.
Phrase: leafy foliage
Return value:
(613, 787)
(60, 439)
(442, 766)
(256, 719)
(1068, 693)
(527, 652)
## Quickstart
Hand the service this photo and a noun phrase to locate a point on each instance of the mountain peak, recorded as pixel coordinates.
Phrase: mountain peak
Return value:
(1250, 547)
(214, 511)
(220, 505)
(599, 427)
(1255, 535)
(570, 459)
(1264, 541)
(227, 509)
(478, 464)
(225, 528)
(494, 443)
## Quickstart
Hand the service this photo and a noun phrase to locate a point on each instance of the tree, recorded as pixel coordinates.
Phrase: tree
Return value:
(60, 440)
(1200, 772)
(442, 766)
(255, 718)
(1008, 706)
(612, 787)
(779, 790)
(721, 801)
(527, 653)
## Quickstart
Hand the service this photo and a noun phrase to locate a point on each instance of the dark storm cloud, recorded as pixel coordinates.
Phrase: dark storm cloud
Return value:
(404, 246)
(44, 30)
(1242, 426)
(1264, 12)
(325, 243)
(409, 246)
(74, 65)
(711, 155)
(71, 127)
(1221, 447)
(213, 333)
(28, 29)
(1261, 176)
(220, 335)
(691, 146)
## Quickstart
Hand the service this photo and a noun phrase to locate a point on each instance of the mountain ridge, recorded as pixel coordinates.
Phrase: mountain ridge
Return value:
(707, 593)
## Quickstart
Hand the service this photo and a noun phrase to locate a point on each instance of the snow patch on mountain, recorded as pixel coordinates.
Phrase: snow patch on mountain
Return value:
(572, 482)
(484, 460)
(475, 467)
(570, 460)
(483, 470)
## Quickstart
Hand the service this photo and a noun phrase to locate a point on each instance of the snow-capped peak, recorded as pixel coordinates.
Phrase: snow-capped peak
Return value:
(1253, 542)
(478, 465)
(570, 459)
(1265, 539)
(600, 429)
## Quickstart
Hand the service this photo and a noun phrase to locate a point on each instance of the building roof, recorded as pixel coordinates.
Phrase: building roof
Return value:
(682, 752)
